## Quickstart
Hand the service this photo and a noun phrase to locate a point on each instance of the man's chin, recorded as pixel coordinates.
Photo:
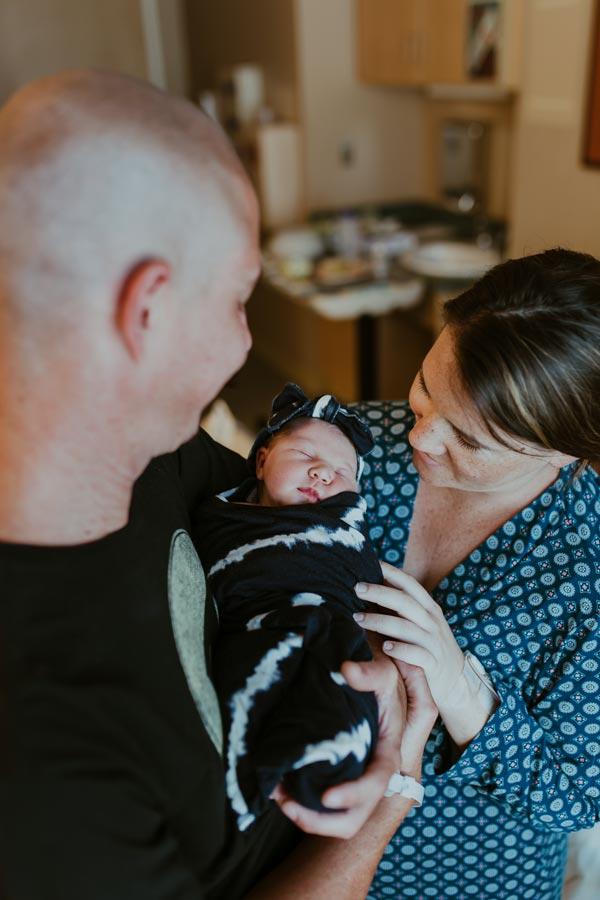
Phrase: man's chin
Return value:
(181, 436)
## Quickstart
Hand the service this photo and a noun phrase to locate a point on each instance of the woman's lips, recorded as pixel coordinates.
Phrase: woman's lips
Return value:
(425, 458)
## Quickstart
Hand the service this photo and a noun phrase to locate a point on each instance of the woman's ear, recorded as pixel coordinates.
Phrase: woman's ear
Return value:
(261, 456)
(137, 296)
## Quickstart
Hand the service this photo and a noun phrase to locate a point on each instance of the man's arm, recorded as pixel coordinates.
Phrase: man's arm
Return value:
(326, 868)
(334, 869)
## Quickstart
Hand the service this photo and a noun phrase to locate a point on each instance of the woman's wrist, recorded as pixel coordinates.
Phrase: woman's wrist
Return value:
(471, 705)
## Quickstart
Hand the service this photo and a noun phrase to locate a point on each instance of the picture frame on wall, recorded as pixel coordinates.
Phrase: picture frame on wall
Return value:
(483, 38)
(592, 137)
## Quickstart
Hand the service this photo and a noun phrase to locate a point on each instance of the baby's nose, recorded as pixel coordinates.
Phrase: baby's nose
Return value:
(322, 471)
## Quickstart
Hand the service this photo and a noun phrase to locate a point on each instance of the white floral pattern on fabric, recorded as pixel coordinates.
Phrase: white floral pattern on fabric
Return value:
(526, 603)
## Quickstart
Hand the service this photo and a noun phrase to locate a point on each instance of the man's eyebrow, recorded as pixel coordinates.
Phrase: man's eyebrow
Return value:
(457, 431)
(250, 279)
(250, 283)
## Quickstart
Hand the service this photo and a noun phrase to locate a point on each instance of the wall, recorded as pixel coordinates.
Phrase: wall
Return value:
(555, 198)
(382, 127)
(38, 37)
(165, 39)
(225, 32)
(308, 51)
(174, 45)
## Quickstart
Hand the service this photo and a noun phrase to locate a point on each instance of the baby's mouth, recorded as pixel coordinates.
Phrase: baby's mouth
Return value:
(310, 493)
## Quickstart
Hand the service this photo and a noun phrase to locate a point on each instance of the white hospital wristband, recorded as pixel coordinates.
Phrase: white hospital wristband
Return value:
(406, 786)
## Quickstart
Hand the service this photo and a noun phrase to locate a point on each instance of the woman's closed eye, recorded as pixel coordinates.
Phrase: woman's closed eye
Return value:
(465, 443)
(421, 382)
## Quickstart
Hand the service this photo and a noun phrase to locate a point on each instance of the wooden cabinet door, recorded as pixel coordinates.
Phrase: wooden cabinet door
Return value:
(390, 41)
(412, 41)
(446, 40)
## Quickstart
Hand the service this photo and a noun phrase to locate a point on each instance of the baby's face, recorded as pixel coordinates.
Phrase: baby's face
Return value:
(308, 462)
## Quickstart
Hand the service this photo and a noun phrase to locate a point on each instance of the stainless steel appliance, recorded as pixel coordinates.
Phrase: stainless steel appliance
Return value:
(463, 160)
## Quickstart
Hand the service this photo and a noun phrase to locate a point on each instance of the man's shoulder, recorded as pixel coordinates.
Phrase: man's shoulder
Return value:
(196, 451)
(200, 468)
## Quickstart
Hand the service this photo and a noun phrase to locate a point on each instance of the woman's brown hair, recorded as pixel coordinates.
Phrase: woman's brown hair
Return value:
(527, 342)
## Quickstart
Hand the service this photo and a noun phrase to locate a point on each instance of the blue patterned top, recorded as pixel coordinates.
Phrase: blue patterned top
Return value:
(526, 602)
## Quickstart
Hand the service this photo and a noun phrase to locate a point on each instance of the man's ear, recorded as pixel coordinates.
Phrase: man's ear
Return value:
(136, 299)
(261, 455)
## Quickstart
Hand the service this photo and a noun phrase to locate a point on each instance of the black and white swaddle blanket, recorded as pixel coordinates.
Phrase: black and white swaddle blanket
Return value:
(284, 580)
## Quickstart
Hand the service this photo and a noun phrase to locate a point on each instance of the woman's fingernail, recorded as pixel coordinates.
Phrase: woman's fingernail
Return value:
(388, 645)
(361, 588)
(359, 617)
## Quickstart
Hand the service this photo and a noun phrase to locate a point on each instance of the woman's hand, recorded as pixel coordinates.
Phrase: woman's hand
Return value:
(418, 634)
(405, 721)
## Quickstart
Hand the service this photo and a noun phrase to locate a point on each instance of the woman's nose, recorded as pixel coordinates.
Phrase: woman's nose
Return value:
(427, 435)
(321, 471)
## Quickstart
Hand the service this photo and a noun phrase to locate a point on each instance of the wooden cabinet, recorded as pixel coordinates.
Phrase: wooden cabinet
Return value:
(390, 41)
(412, 42)
(327, 355)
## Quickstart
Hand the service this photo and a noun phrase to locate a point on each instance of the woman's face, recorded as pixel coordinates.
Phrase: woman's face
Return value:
(452, 447)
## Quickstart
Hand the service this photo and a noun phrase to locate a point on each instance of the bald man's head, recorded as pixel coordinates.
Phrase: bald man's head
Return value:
(128, 248)
(98, 172)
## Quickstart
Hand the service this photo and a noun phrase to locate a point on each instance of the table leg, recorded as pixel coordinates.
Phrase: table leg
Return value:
(367, 358)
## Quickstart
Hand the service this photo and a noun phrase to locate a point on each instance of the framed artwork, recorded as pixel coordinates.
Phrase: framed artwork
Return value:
(592, 141)
(483, 37)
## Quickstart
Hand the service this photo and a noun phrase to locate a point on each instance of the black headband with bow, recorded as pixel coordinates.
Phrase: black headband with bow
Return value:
(291, 403)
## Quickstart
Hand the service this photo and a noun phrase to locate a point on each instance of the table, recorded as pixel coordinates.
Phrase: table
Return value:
(357, 343)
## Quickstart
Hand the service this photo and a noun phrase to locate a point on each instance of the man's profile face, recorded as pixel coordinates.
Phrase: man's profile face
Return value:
(214, 334)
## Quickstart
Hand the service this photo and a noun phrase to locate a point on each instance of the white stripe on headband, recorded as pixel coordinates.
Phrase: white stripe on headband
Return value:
(317, 413)
(320, 405)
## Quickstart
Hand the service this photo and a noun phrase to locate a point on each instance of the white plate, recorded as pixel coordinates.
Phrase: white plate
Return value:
(451, 259)
(296, 243)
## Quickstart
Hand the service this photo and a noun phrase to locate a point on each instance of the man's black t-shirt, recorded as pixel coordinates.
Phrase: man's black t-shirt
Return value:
(111, 777)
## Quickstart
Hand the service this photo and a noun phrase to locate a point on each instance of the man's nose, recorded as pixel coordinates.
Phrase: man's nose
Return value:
(321, 471)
